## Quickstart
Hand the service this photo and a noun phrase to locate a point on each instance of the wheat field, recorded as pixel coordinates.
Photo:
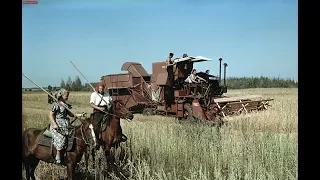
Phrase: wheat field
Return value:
(262, 145)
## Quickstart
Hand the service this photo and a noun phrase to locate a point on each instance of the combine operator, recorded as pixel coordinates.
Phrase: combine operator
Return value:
(194, 78)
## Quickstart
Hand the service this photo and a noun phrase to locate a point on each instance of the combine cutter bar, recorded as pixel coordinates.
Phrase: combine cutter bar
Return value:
(246, 106)
(221, 109)
(232, 99)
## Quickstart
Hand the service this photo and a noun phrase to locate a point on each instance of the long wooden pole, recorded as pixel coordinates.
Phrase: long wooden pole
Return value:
(64, 105)
(88, 82)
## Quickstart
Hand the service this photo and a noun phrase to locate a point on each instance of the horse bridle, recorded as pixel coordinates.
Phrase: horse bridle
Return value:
(106, 113)
(84, 138)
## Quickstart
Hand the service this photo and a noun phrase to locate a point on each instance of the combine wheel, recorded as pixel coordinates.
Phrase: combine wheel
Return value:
(188, 114)
(147, 112)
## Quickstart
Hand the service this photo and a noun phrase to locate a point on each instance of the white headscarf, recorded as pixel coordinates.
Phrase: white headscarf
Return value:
(61, 92)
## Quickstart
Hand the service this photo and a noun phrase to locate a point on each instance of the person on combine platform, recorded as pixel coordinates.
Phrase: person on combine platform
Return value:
(60, 122)
(100, 102)
(194, 78)
(170, 65)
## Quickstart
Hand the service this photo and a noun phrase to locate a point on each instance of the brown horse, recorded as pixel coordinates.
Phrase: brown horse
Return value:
(36, 147)
(111, 132)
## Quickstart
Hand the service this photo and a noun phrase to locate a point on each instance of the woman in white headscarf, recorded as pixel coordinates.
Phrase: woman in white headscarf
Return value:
(59, 122)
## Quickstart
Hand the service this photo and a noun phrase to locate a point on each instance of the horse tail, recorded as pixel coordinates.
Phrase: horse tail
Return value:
(22, 148)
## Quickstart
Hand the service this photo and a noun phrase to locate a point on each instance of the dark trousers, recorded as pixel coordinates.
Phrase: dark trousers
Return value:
(97, 117)
(170, 76)
(170, 93)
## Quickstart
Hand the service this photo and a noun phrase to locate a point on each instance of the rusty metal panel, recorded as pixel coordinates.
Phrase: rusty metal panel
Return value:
(180, 93)
(159, 67)
(136, 80)
(180, 113)
(126, 65)
(197, 110)
(117, 81)
(123, 77)
(132, 97)
(173, 108)
(162, 78)
(125, 84)
(134, 68)
(138, 70)
(113, 78)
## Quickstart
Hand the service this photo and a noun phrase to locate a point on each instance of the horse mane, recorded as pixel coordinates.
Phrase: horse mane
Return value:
(110, 114)
(86, 121)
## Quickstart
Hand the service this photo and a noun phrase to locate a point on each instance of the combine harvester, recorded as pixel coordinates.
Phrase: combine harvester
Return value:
(150, 94)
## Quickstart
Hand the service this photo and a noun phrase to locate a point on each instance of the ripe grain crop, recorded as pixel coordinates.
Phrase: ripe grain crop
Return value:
(261, 145)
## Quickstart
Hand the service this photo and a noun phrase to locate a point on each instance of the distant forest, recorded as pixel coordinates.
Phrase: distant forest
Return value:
(231, 82)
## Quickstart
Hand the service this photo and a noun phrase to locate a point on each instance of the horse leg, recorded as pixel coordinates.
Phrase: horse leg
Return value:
(27, 168)
(71, 165)
(25, 155)
(109, 159)
(86, 159)
(32, 165)
(93, 155)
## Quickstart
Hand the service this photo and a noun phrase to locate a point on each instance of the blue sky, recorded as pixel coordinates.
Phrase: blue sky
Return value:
(254, 37)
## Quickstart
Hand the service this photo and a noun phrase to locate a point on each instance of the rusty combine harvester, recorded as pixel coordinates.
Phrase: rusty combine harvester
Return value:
(150, 94)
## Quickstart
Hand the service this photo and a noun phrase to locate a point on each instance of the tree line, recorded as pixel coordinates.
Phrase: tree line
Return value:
(259, 82)
(76, 84)
(232, 83)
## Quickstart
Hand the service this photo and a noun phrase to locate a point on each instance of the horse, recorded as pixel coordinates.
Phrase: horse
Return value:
(37, 146)
(111, 132)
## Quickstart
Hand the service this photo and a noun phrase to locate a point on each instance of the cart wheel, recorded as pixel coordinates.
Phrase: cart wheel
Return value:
(147, 112)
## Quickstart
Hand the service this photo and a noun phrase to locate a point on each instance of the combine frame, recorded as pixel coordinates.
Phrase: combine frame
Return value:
(150, 94)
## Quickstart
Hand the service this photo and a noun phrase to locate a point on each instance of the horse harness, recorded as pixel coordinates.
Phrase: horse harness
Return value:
(106, 113)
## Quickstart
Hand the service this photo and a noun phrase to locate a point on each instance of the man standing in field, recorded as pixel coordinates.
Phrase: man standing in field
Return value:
(50, 99)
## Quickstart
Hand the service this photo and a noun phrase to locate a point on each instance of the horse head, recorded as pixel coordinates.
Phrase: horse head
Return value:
(86, 129)
(120, 110)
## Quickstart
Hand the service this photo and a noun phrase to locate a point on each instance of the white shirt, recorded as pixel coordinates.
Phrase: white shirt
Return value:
(190, 78)
(96, 98)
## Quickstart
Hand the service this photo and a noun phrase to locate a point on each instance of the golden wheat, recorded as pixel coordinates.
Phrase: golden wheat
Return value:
(262, 145)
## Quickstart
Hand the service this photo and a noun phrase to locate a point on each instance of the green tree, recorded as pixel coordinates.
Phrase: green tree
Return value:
(77, 85)
(62, 84)
(69, 84)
